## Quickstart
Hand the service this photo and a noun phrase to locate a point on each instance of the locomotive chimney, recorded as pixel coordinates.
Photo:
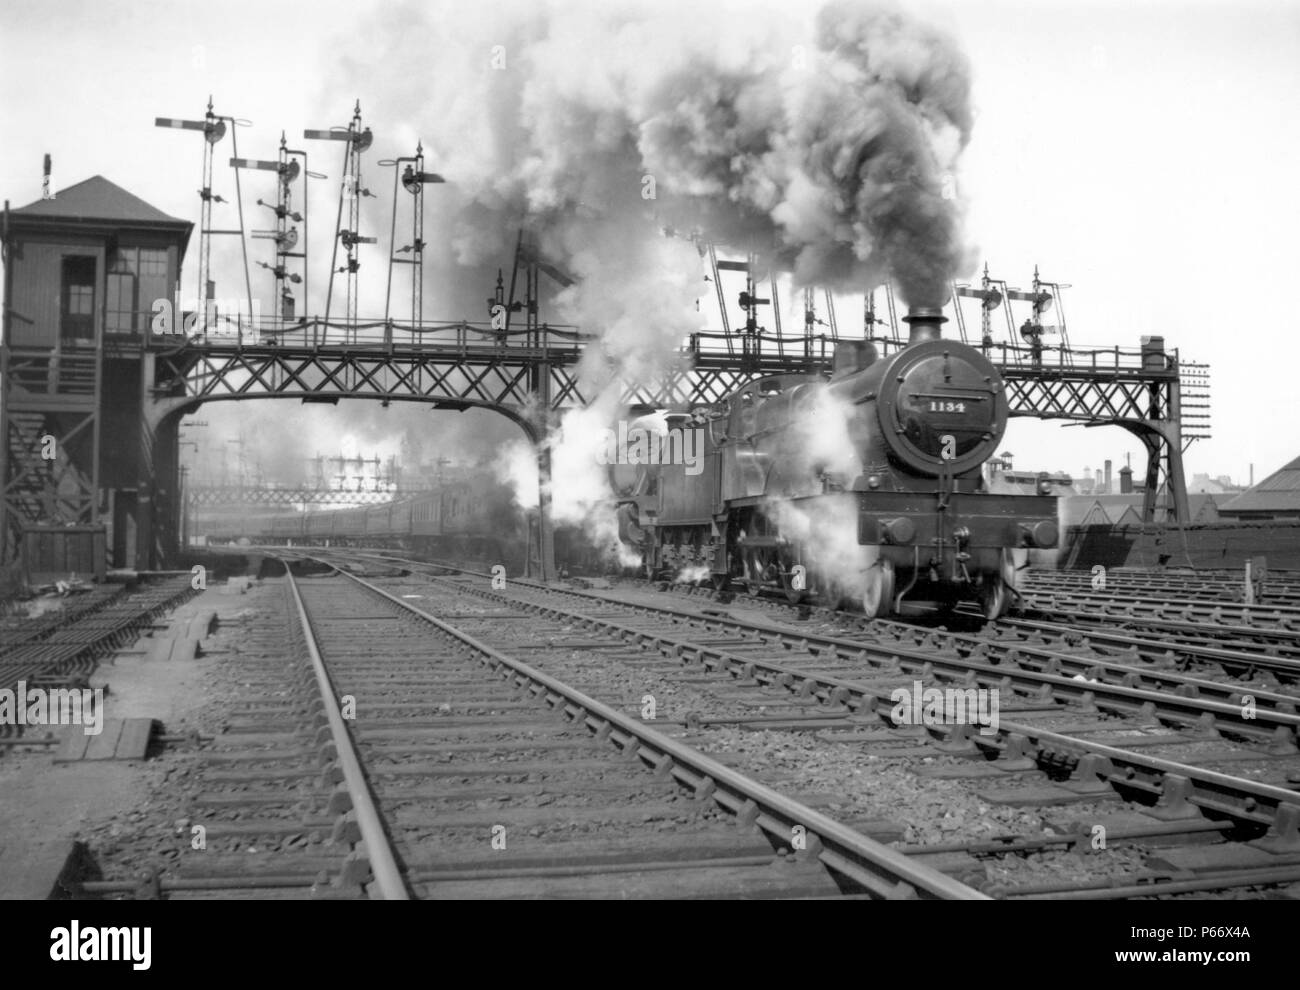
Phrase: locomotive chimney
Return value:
(926, 323)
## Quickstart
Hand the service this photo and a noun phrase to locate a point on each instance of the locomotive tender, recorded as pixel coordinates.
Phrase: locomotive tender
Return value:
(896, 507)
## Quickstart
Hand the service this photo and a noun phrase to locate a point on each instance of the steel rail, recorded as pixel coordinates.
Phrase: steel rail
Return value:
(1278, 637)
(841, 849)
(1090, 667)
(1261, 722)
(1127, 579)
(1155, 886)
(76, 646)
(378, 849)
(1262, 803)
(1218, 654)
(1249, 618)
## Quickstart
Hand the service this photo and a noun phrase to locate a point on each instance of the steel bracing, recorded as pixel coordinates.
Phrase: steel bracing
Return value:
(49, 420)
(249, 495)
(527, 373)
(464, 365)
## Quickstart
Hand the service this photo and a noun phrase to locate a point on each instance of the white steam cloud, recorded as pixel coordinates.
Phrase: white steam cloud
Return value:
(823, 440)
(580, 490)
(827, 144)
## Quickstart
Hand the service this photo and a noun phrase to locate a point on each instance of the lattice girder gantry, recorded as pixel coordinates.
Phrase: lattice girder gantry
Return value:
(531, 384)
(207, 495)
(1144, 402)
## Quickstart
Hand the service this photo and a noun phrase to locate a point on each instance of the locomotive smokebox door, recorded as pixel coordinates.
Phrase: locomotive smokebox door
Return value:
(942, 408)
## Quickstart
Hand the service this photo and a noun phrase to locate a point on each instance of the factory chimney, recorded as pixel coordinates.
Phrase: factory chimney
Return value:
(1108, 477)
(45, 181)
(926, 323)
(1096, 488)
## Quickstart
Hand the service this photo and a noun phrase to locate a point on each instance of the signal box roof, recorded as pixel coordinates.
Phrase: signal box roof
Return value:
(96, 200)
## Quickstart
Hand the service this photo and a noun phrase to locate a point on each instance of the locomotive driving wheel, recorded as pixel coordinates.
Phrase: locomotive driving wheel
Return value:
(996, 592)
(995, 597)
(878, 596)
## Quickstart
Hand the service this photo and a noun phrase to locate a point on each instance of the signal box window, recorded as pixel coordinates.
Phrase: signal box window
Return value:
(137, 279)
(123, 275)
(78, 300)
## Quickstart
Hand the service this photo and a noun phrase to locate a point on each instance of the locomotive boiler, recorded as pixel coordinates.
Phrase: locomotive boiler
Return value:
(867, 486)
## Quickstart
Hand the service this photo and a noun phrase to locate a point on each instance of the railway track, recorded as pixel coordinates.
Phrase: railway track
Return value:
(57, 648)
(1277, 587)
(1064, 652)
(1187, 756)
(1272, 634)
(16, 630)
(394, 754)
(1247, 620)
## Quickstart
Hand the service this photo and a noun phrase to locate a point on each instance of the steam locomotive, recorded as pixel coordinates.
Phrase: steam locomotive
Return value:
(866, 487)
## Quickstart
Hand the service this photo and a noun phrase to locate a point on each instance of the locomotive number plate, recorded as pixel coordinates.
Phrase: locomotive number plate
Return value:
(945, 406)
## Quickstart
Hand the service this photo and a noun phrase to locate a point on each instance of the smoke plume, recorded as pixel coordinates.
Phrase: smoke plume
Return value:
(826, 144)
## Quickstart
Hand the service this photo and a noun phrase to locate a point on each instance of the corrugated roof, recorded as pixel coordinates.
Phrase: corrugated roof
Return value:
(97, 199)
(1279, 492)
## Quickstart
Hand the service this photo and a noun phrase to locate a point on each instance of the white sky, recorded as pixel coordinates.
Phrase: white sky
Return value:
(1147, 153)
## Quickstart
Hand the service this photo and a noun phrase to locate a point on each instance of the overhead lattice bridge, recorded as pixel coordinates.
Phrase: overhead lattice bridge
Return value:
(529, 374)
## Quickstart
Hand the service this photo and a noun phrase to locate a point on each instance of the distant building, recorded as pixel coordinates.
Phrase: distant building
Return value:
(1005, 481)
(1203, 484)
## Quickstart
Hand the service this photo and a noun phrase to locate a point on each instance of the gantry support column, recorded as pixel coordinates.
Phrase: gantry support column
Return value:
(1162, 435)
(545, 530)
(539, 428)
(157, 510)
(1163, 443)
